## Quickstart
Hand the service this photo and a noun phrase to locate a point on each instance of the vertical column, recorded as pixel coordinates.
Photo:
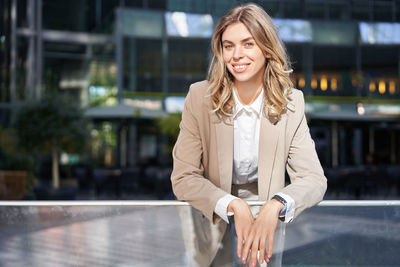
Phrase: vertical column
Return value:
(13, 65)
(307, 67)
(357, 146)
(164, 55)
(371, 145)
(133, 145)
(39, 49)
(119, 51)
(335, 144)
(392, 147)
(342, 146)
(133, 85)
(30, 77)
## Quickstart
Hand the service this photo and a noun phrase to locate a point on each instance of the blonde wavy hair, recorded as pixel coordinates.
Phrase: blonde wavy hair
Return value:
(276, 82)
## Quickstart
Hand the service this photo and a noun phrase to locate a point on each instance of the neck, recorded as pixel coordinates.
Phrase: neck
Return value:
(247, 94)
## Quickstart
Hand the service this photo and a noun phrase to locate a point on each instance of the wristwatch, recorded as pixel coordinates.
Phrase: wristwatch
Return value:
(283, 201)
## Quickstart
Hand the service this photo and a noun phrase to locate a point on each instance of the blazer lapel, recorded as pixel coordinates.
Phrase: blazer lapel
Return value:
(268, 141)
(224, 134)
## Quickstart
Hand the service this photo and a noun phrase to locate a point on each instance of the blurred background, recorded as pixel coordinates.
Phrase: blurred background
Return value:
(91, 91)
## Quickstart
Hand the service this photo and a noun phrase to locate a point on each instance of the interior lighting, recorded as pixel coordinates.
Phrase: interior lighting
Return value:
(382, 87)
(314, 83)
(354, 82)
(302, 82)
(392, 87)
(334, 84)
(324, 83)
(360, 109)
(372, 86)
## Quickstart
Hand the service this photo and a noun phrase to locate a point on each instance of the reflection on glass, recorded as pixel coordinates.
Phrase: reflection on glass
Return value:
(380, 33)
(294, 30)
(123, 235)
(392, 87)
(188, 25)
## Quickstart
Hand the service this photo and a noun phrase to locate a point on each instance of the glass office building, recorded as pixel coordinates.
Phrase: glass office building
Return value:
(130, 61)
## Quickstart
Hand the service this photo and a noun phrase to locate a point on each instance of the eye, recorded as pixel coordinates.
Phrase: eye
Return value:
(228, 46)
(249, 44)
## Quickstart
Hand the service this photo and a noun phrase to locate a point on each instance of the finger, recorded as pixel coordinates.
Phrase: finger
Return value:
(239, 246)
(262, 250)
(270, 245)
(247, 244)
(253, 255)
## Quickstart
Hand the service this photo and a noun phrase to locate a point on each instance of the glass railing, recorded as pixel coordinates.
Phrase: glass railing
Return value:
(156, 233)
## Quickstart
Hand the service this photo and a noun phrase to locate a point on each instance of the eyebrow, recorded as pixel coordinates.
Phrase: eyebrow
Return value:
(242, 41)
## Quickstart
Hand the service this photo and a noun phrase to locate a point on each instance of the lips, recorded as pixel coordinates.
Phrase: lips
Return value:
(240, 67)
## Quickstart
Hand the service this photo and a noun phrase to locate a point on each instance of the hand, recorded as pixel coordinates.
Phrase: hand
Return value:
(243, 221)
(263, 229)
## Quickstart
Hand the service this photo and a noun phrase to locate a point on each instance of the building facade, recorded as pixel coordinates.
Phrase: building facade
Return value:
(130, 61)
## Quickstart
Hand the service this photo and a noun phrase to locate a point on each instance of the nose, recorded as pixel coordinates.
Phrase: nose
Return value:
(238, 53)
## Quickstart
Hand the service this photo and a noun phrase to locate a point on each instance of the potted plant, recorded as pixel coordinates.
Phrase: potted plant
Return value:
(16, 168)
(50, 126)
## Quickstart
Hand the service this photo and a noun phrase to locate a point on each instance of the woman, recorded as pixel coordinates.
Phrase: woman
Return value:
(240, 129)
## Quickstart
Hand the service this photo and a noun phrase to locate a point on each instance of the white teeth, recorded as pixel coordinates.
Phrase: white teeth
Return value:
(240, 66)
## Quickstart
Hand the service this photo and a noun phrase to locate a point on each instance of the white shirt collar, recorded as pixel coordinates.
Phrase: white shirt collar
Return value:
(254, 107)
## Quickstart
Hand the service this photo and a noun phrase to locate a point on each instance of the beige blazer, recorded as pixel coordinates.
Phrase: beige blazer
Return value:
(203, 155)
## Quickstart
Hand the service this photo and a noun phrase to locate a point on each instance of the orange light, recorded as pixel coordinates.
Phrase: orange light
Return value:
(302, 83)
(314, 83)
(382, 87)
(324, 83)
(372, 86)
(392, 87)
(333, 84)
(354, 82)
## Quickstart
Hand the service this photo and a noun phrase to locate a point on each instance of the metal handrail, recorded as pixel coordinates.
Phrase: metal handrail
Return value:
(156, 203)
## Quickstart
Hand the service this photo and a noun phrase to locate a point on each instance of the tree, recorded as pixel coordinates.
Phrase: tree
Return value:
(50, 126)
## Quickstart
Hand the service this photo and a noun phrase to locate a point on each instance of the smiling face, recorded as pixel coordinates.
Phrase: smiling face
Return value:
(242, 56)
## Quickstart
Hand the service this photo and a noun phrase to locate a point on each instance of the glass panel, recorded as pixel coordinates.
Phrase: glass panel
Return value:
(65, 15)
(142, 23)
(187, 63)
(339, 11)
(294, 30)
(22, 68)
(334, 72)
(334, 32)
(380, 71)
(81, 16)
(22, 13)
(124, 235)
(293, 9)
(380, 33)
(315, 9)
(361, 10)
(271, 7)
(5, 46)
(142, 65)
(182, 24)
(383, 11)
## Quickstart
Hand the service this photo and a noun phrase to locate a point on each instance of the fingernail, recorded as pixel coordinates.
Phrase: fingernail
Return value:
(244, 260)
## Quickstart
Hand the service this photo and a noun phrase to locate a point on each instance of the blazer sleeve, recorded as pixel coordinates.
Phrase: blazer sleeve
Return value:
(308, 182)
(188, 181)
